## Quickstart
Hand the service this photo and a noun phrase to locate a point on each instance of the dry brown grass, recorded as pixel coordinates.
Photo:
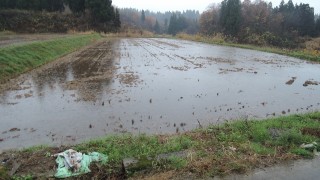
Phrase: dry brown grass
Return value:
(131, 33)
(216, 38)
(74, 32)
(5, 33)
(313, 47)
(313, 44)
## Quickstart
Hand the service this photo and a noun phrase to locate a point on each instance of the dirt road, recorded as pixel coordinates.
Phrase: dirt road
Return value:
(151, 86)
(13, 39)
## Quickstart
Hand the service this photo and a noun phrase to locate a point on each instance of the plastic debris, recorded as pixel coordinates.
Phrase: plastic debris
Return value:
(232, 148)
(73, 163)
(309, 146)
(312, 146)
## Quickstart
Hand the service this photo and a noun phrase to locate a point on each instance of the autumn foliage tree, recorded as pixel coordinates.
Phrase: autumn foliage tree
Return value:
(258, 22)
(209, 21)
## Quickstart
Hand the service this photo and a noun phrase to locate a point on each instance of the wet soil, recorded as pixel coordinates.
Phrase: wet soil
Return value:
(311, 131)
(153, 86)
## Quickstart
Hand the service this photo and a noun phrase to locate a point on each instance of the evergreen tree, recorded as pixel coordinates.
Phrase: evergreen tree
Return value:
(172, 29)
(37, 5)
(143, 16)
(290, 6)
(23, 4)
(306, 17)
(54, 5)
(101, 11)
(117, 22)
(230, 16)
(317, 26)
(166, 22)
(76, 6)
(156, 27)
(177, 24)
(282, 7)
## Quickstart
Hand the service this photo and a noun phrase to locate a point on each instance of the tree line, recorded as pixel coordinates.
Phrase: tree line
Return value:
(259, 23)
(179, 23)
(159, 22)
(101, 12)
(35, 5)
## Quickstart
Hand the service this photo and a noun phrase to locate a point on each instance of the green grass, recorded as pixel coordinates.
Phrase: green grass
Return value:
(239, 145)
(35, 148)
(217, 150)
(177, 162)
(27, 177)
(125, 146)
(281, 131)
(6, 33)
(18, 59)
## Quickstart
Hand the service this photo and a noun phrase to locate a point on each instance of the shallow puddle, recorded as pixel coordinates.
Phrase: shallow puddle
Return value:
(152, 86)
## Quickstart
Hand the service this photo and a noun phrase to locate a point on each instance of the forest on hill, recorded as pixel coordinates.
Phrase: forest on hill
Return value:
(260, 23)
(251, 22)
(36, 16)
(159, 22)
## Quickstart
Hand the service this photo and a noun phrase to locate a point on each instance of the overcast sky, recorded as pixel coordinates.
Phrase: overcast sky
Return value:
(201, 5)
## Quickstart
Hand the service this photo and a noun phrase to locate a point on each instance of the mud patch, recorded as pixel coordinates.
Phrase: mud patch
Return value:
(291, 81)
(310, 82)
(12, 85)
(264, 61)
(217, 60)
(311, 131)
(197, 65)
(27, 95)
(88, 71)
(78, 71)
(182, 68)
(129, 79)
(14, 129)
(166, 43)
(236, 69)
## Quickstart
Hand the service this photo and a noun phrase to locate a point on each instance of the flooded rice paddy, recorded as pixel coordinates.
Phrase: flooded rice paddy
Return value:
(152, 86)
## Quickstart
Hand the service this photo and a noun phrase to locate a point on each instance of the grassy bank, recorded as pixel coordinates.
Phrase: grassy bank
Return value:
(312, 55)
(233, 147)
(18, 59)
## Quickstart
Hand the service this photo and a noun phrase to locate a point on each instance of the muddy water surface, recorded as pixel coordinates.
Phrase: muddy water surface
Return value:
(151, 86)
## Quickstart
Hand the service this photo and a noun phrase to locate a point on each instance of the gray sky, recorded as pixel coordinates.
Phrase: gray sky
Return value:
(201, 5)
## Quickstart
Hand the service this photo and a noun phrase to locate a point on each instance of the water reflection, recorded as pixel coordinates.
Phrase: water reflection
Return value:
(50, 77)
(87, 74)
